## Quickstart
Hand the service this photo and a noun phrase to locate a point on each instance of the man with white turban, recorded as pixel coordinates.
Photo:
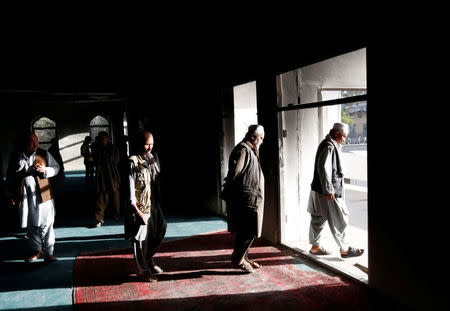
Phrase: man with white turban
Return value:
(244, 195)
(326, 202)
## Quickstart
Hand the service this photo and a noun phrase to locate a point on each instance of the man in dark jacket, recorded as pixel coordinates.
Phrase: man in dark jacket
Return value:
(327, 201)
(244, 195)
(106, 159)
(86, 151)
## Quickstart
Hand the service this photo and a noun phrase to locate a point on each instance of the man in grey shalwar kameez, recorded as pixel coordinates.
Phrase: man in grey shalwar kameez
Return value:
(31, 190)
(147, 226)
(326, 202)
(244, 195)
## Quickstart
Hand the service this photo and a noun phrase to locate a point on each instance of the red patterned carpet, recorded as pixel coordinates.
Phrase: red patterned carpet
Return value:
(198, 276)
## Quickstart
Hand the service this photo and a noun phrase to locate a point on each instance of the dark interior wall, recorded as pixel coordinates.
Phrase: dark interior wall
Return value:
(405, 211)
(186, 136)
(268, 117)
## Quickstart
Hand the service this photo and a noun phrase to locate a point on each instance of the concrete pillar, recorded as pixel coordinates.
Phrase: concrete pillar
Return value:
(267, 117)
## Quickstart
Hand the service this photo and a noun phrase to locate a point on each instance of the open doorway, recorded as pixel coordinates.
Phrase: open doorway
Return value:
(311, 100)
(239, 110)
(245, 111)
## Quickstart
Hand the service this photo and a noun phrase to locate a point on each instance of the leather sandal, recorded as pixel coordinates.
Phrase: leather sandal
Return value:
(151, 278)
(254, 264)
(155, 269)
(148, 277)
(353, 252)
(34, 256)
(245, 266)
(321, 252)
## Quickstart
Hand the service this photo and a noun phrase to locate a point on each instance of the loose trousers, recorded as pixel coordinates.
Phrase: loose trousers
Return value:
(337, 221)
(42, 238)
(103, 199)
(148, 239)
(139, 251)
(242, 243)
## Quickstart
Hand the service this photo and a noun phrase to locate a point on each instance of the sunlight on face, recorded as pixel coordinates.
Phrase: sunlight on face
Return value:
(149, 143)
(32, 144)
(258, 141)
(341, 137)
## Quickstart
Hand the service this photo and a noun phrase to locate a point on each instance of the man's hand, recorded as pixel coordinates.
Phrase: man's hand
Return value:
(330, 196)
(40, 167)
(144, 219)
(225, 182)
(140, 214)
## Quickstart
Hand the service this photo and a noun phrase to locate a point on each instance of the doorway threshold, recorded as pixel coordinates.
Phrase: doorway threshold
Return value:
(351, 268)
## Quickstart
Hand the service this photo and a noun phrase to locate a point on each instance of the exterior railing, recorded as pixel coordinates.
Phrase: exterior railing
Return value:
(356, 140)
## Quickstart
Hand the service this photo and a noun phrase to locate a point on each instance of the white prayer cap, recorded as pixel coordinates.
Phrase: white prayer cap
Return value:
(256, 129)
(341, 126)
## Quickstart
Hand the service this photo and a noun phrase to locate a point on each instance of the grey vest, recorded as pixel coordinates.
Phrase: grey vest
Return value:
(336, 174)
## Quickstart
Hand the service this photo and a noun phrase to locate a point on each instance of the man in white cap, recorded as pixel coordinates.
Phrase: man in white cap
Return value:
(326, 201)
(31, 190)
(244, 195)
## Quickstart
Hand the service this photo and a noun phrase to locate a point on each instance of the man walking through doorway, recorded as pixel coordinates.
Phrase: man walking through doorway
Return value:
(326, 201)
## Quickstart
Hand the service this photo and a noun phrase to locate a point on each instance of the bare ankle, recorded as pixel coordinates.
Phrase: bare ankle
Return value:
(315, 248)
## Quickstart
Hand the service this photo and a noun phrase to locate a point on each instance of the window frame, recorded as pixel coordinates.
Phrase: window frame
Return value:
(34, 128)
(101, 126)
